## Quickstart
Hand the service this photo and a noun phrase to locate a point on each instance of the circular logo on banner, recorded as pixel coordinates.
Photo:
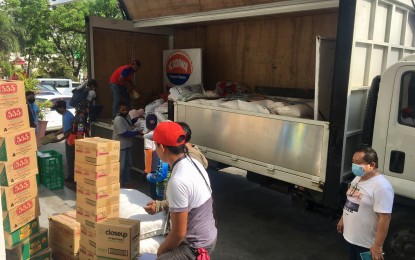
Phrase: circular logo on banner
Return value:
(178, 68)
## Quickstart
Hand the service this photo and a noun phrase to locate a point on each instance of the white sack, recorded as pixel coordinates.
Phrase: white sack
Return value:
(151, 245)
(298, 110)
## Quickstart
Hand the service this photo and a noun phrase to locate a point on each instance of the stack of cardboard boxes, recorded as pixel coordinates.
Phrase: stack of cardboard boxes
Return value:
(18, 177)
(97, 171)
(65, 234)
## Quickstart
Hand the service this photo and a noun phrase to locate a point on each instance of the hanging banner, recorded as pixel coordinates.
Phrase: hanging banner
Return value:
(182, 67)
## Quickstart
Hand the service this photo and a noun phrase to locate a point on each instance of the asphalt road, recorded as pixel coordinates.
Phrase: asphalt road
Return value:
(258, 223)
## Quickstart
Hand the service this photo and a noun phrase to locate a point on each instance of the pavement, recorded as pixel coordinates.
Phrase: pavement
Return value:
(253, 222)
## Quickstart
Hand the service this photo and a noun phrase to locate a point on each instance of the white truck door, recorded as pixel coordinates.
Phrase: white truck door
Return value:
(399, 157)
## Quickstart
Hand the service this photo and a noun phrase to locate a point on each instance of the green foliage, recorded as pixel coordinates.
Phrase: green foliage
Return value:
(55, 36)
(42, 108)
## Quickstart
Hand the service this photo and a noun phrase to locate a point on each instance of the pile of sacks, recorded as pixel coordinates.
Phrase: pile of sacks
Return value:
(152, 227)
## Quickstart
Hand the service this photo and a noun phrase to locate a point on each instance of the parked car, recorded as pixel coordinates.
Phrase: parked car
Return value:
(45, 89)
(54, 118)
(64, 86)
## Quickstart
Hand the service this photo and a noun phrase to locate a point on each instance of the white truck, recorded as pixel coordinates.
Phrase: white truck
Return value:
(334, 50)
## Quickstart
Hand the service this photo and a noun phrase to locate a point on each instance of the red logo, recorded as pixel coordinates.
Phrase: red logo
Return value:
(21, 186)
(8, 88)
(178, 68)
(22, 138)
(24, 207)
(21, 163)
(14, 113)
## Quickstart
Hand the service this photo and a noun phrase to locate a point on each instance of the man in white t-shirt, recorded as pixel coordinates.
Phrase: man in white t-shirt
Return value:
(189, 197)
(367, 211)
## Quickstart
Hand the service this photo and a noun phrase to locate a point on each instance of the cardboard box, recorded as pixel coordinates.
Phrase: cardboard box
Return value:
(12, 93)
(87, 249)
(29, 247)
(44, 255)
(65, 233)
(22, 233)
(97, 175)
(17, 144)
(98, 196)
(89, 232)
(13, 119)
(59, 253)
(20, 215)
(97, 151)
(18, 169)
(90, 215)
(18, 192)
(118, 238)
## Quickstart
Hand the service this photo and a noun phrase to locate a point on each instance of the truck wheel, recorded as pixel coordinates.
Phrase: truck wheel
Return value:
(400, 243)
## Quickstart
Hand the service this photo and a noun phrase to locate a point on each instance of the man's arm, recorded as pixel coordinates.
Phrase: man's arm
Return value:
(65, 136)
(177, 234)
(381, 232)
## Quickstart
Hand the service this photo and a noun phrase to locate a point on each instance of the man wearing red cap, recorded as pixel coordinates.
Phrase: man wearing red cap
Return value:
(189, 198)
(119, 81)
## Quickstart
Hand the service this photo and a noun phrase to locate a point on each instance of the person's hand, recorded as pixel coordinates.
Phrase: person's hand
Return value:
(340, 226)
(377, 252)
(150, 208)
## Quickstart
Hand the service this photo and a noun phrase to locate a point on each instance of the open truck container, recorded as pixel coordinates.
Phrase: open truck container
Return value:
(334, 49)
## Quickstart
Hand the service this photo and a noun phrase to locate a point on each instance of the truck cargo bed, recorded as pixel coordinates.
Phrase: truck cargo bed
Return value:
(289, 149)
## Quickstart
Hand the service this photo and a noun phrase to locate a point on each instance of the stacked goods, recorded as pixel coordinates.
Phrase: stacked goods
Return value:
(97, 171)
(118, 238)
(18, 178)
(50, 169)
(65, 235)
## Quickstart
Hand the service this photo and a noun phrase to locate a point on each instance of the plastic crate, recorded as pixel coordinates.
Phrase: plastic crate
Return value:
(53, 182)
(49, 165)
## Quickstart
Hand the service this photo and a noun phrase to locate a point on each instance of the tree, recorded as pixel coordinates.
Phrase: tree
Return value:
(55, 36)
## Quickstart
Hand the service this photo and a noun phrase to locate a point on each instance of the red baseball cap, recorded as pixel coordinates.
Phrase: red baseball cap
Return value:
(168, 134)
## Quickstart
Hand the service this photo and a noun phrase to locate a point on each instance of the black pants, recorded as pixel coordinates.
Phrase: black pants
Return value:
(354, 251)
(70, 160)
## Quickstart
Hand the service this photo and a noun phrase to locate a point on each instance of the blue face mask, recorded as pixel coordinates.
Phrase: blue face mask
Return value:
(357, 170)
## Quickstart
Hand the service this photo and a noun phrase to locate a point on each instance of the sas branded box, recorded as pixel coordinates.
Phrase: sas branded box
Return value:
(97, 151)
(18, 193)
(21, 234)
(65, 233)
(13, 119)
(18, 169)
(17, 144)
(97, 175)
(21, 214)
(98, 196)
(12, 93)
(118, 238)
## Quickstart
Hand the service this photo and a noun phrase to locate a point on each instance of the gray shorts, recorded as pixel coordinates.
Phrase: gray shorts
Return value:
(183, 252)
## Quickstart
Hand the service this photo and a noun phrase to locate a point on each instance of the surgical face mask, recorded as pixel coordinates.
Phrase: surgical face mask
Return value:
(31, 100)
(358, 170)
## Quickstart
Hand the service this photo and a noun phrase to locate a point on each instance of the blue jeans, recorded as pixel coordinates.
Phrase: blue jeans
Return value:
(125, 165)
(119, 93)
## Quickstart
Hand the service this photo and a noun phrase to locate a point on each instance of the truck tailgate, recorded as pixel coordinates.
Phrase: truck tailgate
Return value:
(289, 149)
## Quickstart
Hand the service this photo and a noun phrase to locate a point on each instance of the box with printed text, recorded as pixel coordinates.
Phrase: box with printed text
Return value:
(98, 196)
(18, 169)
(18, 192)
(29, 248)
(17, 144)
(90, 215)
(14, 119)
(12, 93)
(18, 216)
(97, 175)
(97, 151)
(118, 238)
(21, 234)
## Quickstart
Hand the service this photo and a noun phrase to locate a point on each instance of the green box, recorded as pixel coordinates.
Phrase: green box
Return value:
(53, 182)
(22, 233)
(51, 164)
(30, 247)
